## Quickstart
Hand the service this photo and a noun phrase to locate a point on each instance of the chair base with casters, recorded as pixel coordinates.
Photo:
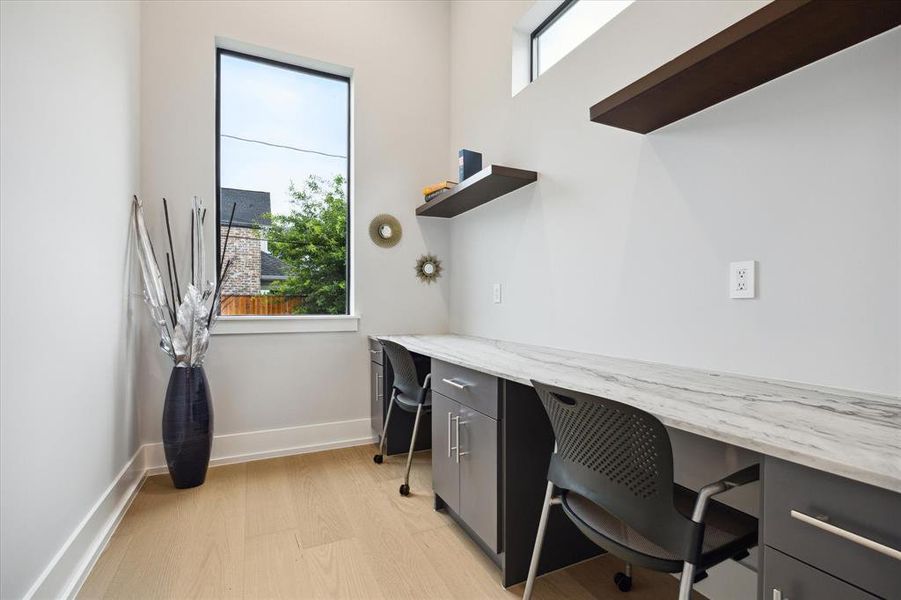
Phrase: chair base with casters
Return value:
(612, 456)
(407, 395)
(379, 458)
(623, 580)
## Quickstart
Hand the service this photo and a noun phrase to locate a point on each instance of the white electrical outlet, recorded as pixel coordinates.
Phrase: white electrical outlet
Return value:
(496, 293)
(743, 279)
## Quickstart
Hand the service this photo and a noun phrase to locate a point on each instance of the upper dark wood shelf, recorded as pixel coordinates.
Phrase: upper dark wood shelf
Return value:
(491, 182)
(777, 39)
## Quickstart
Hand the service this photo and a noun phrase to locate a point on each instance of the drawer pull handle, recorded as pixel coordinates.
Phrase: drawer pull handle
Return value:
(449, 439)
(820, 523)
(459, 452)
(457, 447)
(456, 384)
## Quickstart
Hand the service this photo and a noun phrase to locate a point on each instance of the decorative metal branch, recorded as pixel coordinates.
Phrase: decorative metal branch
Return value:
(154, 289)
(193, 314)
(171, 248)
(171, 288)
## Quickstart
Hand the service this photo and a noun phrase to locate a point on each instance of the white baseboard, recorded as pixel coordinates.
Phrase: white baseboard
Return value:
(67, 571)
(269, 443)
(64, 575)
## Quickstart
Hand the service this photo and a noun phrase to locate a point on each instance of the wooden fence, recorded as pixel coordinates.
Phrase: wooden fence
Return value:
(260, 305)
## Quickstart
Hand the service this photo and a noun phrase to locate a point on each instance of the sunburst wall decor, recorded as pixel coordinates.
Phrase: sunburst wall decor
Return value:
(385, 231)
(428, 268)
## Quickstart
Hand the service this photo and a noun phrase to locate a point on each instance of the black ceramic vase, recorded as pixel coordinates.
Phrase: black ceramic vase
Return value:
(188, 426)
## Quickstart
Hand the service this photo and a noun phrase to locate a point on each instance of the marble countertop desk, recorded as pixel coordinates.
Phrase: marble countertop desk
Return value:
(853, 434)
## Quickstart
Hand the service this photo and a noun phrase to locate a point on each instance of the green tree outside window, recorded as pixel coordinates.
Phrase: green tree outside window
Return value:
(312, 242)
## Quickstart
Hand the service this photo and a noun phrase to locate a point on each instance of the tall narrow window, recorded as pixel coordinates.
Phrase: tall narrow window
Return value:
(283, 156)
(573, 22)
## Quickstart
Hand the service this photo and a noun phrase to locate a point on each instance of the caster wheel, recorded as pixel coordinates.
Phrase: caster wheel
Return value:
(404, 489)
(623, 582)
(377, 459)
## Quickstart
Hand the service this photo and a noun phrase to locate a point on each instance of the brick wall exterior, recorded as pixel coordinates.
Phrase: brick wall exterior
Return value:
(244, 274)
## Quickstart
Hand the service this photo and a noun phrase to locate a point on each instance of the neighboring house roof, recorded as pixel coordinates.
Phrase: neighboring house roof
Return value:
(250, 206)
(271, 268)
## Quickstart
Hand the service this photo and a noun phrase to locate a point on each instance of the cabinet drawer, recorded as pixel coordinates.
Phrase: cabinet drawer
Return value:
(785, 578)
(802, 507)
(376, 354)
(470, 388)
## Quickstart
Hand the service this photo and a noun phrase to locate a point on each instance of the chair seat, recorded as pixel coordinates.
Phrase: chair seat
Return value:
(410, 403)
(727, 532)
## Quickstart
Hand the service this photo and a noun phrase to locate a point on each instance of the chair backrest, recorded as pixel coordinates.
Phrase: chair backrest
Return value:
(620, 458)
(406, 380)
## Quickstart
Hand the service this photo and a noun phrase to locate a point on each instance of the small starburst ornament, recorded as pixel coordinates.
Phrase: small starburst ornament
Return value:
(428, 268)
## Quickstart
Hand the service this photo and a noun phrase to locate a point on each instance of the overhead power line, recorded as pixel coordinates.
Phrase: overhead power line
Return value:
(241, 139)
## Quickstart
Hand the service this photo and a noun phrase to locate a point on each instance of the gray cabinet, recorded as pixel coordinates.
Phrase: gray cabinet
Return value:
(844, 529)
(376, 387)
(376, 398)
(788, 579)
(495, 490)
(465, 465)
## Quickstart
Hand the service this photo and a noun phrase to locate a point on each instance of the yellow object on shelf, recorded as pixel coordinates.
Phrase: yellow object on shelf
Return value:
(444, 185)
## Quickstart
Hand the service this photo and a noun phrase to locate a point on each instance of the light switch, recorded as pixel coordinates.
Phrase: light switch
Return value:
(496, 293)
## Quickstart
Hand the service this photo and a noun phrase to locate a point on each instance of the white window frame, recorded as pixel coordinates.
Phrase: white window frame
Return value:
(250, 324)
(537, 20)
(564, 6)
(268, 324)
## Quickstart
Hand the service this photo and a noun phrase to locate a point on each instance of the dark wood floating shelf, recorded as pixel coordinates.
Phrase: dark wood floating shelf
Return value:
(777, 39)
(491, 182)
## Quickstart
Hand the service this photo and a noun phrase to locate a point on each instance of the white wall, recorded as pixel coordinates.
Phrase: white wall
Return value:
(399, 55)
(623, 245)
(621, 248)
(68, 165)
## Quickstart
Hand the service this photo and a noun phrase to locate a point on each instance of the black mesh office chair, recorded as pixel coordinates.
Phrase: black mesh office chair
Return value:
(613, 468)
(408, 395)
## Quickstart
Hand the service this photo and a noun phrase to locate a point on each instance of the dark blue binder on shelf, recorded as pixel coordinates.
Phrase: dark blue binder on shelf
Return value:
(470, 164)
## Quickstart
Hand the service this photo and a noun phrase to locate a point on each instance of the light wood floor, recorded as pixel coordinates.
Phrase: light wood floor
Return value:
(324, 525)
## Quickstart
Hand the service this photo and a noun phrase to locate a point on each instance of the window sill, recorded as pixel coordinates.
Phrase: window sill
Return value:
(238, 325)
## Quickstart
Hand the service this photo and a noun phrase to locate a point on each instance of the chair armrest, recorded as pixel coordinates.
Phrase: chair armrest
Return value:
(426, 389)
(737, 479)
(743, 477)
